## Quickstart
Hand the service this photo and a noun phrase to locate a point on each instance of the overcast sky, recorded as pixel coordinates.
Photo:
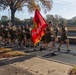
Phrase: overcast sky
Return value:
(64, 8)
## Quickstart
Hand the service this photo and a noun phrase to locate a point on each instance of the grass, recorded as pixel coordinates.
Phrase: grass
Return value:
(8, 52)
(16, 53)
(5, 49)
(73, 71)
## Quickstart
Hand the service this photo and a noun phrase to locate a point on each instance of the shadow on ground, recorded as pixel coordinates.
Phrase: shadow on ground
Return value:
(7, 61)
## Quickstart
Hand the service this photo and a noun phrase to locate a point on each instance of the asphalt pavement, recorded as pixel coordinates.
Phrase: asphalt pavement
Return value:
(61, 56)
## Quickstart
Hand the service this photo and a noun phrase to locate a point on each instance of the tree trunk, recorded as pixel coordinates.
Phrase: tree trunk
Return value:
(12, 16)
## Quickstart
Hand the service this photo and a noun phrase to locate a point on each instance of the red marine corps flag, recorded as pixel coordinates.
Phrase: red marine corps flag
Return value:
(39, 27)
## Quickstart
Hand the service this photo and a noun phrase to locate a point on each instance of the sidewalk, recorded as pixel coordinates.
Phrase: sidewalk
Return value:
(39, 66)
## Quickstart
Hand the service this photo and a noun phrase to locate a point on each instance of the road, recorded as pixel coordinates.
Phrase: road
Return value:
(61, 56)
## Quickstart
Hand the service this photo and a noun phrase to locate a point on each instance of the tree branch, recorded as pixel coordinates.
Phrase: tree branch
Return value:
(18, 2)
